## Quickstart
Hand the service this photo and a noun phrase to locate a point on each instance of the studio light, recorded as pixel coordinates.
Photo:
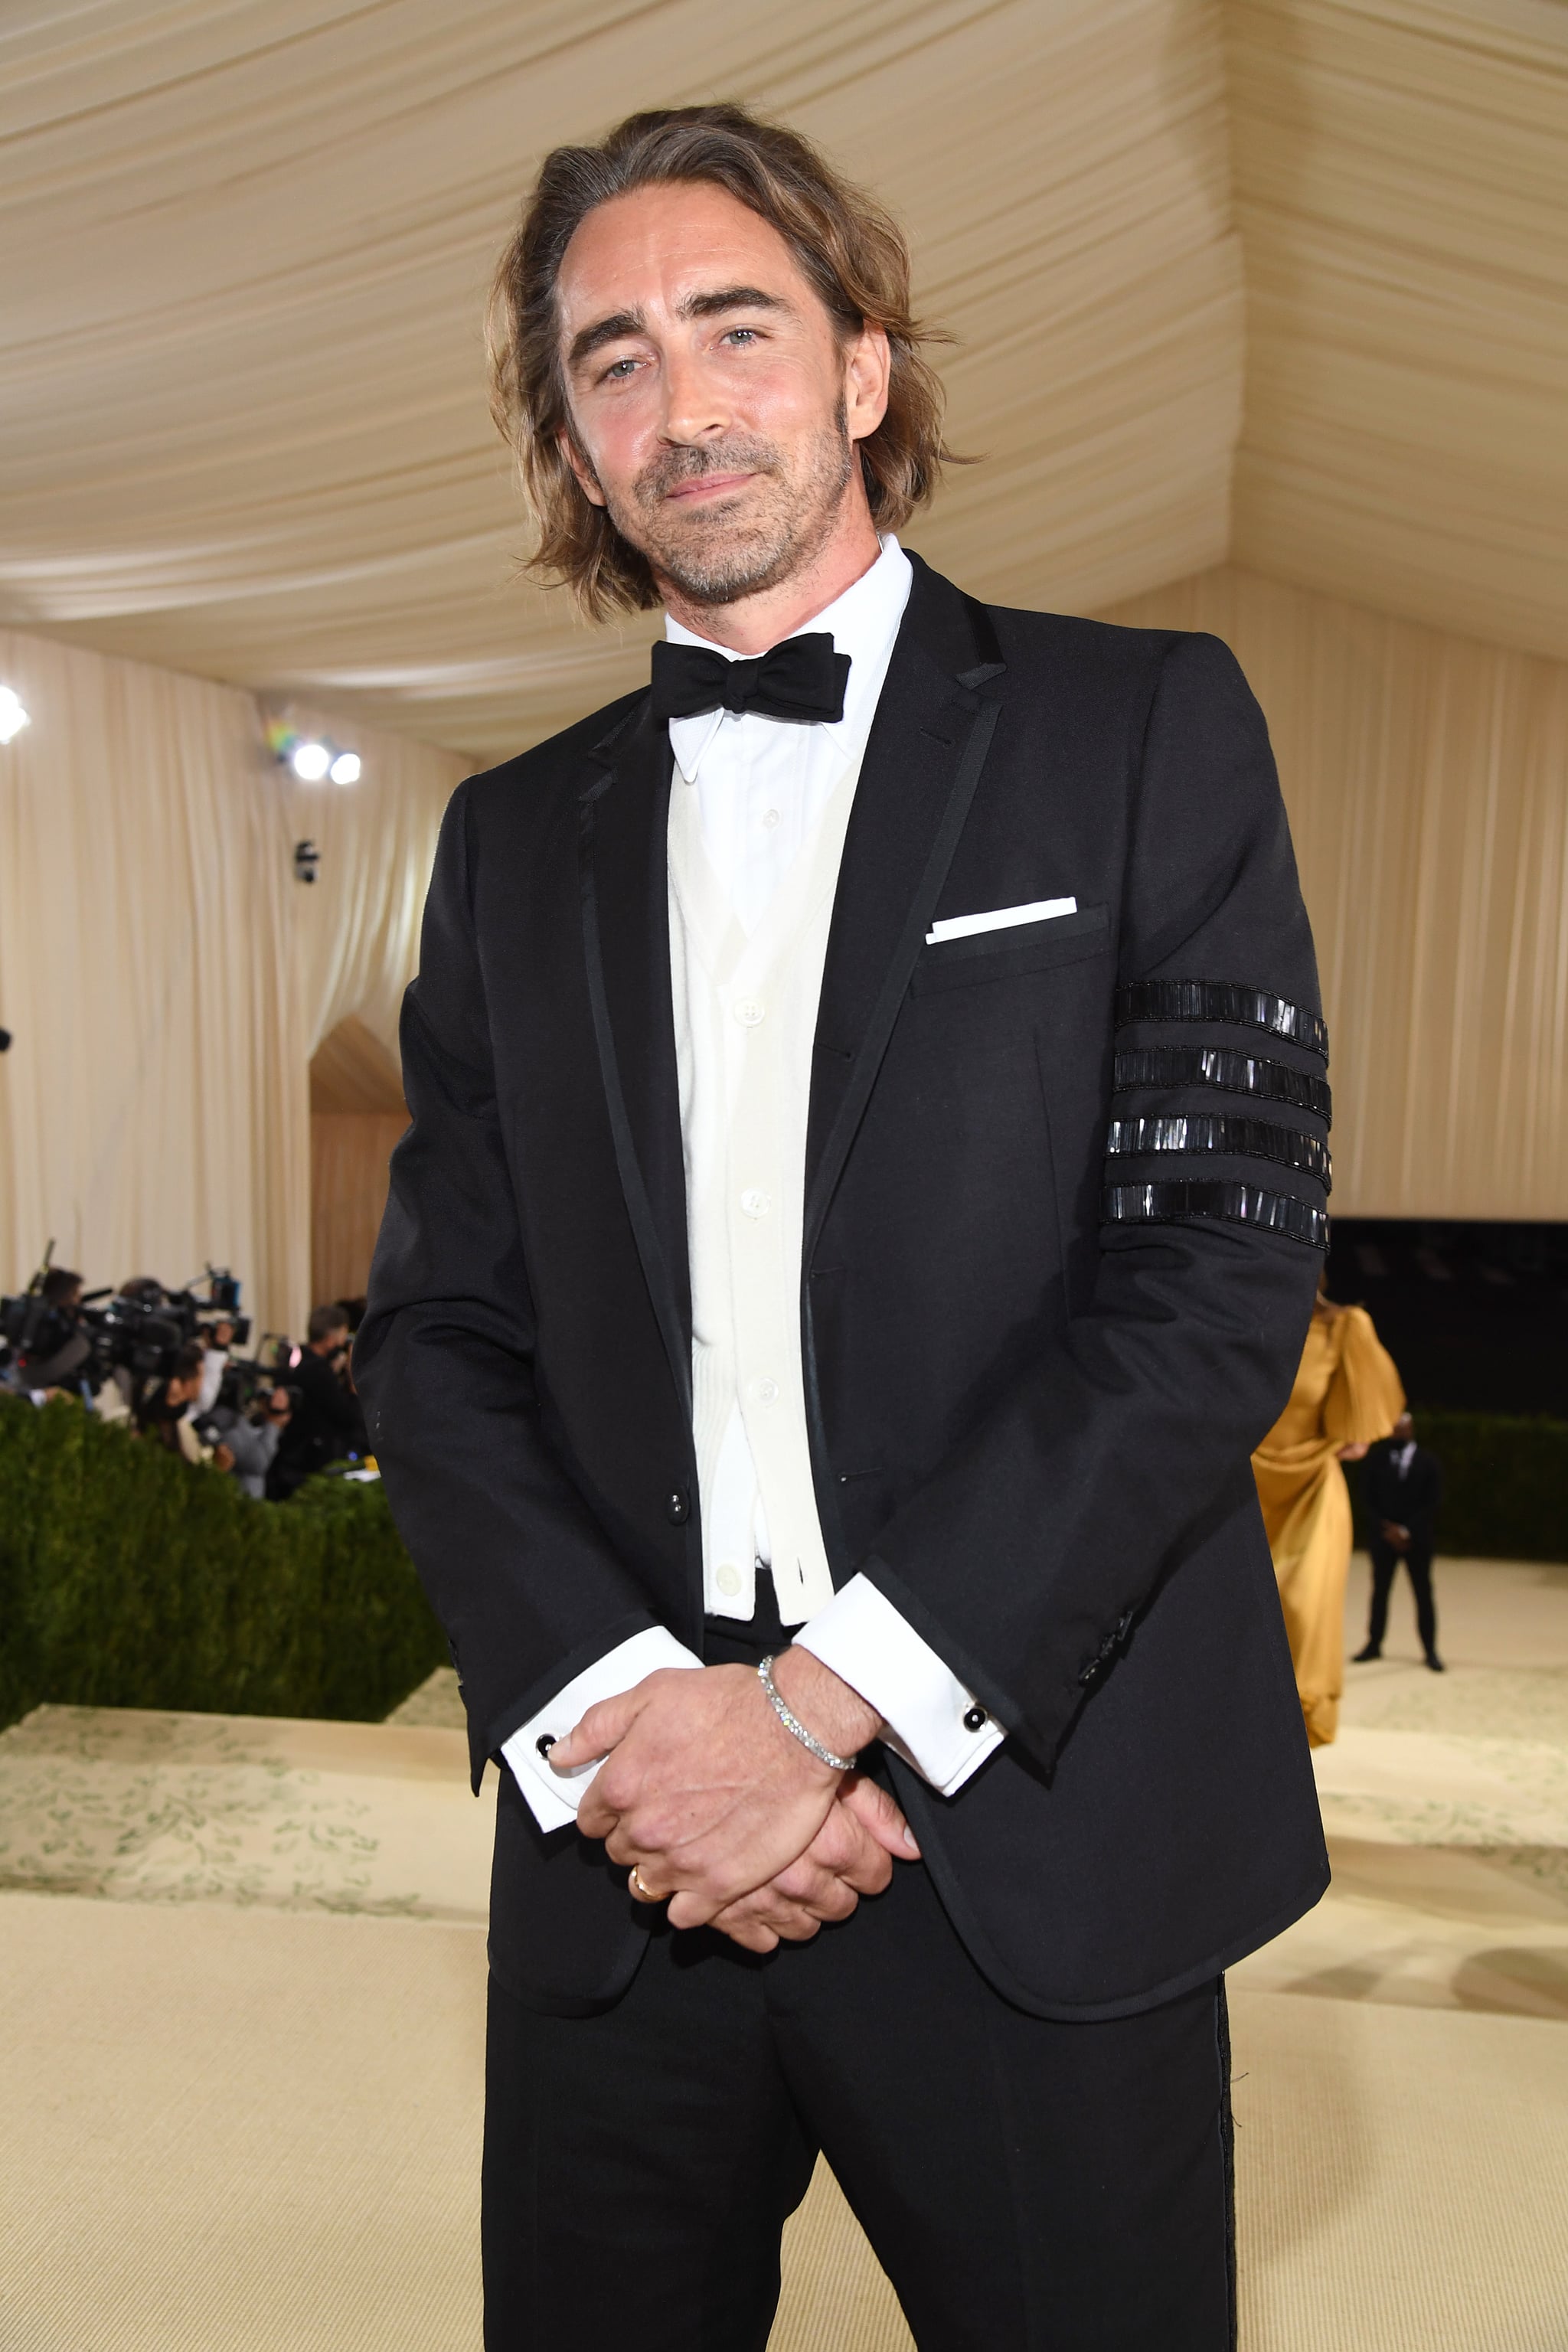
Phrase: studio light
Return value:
(13, 717)
(309, 762)
(312, 758)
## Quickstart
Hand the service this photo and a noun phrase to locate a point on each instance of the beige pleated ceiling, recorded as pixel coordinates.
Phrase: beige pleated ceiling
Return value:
(1262, 326)
(246, 250)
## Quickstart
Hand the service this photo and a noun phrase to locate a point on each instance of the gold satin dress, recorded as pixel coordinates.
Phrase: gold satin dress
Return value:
(1347, 1393)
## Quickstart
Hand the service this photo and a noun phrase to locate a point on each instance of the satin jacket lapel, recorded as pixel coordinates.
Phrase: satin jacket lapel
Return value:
(624, 809)
(922, 763)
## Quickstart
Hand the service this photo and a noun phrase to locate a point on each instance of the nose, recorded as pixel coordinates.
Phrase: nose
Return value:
(695, 407)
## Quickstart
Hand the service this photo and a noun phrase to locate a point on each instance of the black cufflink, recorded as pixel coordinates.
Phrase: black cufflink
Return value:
(544, 1743)
(977, 1719)
(677, 1508)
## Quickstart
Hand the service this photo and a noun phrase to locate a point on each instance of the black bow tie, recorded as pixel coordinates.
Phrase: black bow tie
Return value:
(800, 680)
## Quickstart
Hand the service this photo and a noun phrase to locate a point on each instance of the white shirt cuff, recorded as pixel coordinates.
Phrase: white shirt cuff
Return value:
(554, 1797)
(933, 1722)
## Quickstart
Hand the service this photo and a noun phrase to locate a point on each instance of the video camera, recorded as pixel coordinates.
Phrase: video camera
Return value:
(139, 1328)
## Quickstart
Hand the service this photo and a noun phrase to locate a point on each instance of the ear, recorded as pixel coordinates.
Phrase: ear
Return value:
(867, 372)
(587, 480)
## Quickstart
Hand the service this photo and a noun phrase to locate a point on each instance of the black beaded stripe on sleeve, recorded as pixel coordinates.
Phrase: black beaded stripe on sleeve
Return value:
(1217, 1066)
(1249, 1139)
(1232, 1204)
(1223, 1000)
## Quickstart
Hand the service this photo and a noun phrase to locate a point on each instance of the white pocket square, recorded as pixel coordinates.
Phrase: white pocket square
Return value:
(1000, 918)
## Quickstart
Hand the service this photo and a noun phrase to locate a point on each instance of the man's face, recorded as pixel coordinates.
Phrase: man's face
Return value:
(715, 405)
(1404, 1429)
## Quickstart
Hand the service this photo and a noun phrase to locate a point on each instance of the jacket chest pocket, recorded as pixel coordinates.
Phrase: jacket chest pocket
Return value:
(1005, 954)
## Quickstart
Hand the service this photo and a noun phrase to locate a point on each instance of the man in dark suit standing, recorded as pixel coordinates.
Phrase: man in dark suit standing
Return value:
(864, 1199)
(327, 1420)
(1403, 1486)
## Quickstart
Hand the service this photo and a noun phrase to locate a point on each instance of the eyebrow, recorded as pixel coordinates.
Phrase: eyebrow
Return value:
(621, 323)
(604, 331)
(731, 297)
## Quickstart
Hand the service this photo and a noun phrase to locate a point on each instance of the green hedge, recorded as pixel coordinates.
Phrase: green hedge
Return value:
(1505, 1485)
(129, 1578)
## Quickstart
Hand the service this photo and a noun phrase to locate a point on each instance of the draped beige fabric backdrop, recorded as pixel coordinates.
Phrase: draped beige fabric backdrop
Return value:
(1427, 783)
(357, 1113)
(166, 978)
(350, 1151)
(169, 981)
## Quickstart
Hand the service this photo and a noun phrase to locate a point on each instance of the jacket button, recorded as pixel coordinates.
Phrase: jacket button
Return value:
(975, 1719)
(544, 1743)
(677, 1508)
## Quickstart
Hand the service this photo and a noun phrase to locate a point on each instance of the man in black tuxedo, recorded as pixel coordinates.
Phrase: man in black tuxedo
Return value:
(1403, 1486)
(327, 1420)
(864, 1201)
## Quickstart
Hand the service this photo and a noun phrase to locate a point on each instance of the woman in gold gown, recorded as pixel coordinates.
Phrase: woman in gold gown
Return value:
(1347, 1395)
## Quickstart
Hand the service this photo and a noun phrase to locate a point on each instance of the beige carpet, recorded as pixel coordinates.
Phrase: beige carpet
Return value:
(240, 2031)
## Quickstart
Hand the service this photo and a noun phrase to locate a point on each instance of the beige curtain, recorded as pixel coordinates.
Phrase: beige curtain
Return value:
(349, 1156)
(357, 1113)
(168, 981)
(166, 978)
(1427, 781)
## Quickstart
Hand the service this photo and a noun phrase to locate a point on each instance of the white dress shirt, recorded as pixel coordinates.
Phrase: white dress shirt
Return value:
(759, 809)
(215, 1363)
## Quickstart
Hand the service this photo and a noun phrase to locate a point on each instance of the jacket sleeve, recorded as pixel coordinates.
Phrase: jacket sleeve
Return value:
(522, 1573)
(1026, 1557)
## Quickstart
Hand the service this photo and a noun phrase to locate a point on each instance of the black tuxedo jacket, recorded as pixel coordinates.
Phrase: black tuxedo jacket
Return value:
(1411, 1501)
(1033, 1371)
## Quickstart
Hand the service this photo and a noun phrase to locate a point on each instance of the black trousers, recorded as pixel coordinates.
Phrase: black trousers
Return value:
(1384, 1568)
(1028, 2186)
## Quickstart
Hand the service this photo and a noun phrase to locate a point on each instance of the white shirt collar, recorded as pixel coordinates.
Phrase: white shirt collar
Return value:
(862, 623)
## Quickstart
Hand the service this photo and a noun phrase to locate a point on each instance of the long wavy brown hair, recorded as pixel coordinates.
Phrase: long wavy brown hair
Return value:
(850, 247)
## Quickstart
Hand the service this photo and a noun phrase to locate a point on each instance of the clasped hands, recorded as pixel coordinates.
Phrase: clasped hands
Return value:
(714, 1804)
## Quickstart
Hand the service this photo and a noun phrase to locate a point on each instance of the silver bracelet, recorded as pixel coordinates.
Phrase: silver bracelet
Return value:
(793, 1723)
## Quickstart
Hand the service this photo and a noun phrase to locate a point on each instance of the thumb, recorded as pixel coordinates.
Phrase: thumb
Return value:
(604, 1726)
(877, 1814)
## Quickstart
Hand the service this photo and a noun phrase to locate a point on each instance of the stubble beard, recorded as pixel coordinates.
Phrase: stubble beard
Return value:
(742, 546)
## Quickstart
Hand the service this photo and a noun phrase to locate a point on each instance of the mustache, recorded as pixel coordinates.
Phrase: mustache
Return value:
(742, 453)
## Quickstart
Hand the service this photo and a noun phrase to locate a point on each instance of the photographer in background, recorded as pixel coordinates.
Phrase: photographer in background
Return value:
(217, 1338)
(327, 1422)
(58, 1347)
(162, 1414)
(253, 1436)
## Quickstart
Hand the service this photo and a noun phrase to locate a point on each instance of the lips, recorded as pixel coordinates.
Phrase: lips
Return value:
(710, 485)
